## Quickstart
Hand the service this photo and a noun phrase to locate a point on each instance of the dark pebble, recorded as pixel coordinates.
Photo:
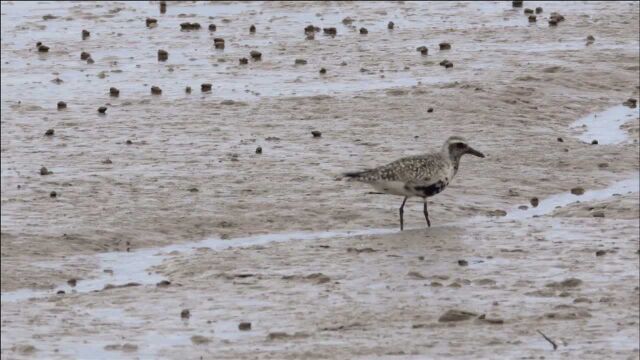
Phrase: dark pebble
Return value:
(156, 90)
(49, 132)
(43, 48)
(390, 25)
(85, 34)
(84, 55)
(163, 283)
(347, 21)
(534, 202)
(163, 55)
(430, 110)
(102, 109)
(129, 142)
(631, 102)
(205, 87)
(446, 63)
(528, 11)
(62, 105)
(259, 150)
(114, 92)
(560, 139)
(445, 46)
(553, 22)
(187, 89)
(364, 31)
(300, 62)
(212, 27)
(600, 252)
(463, 262)
(255, 55)
(538, 10)
(309, 29)
(323, 71)
(218, 43)
(90, 61)
(60, 292)
(252, 29)
(163, 7)
(516, 3)
(185, 314)
(244, 61)
(151, 22)
(330, 31)
(53, 194)
(244, 326)
(532, 18)
(316, 134)
(189, 26)
(44, 171)
(577, 191)
(72, 282)
(594, 142)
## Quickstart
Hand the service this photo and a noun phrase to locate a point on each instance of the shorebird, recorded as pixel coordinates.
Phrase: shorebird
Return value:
(421, 175)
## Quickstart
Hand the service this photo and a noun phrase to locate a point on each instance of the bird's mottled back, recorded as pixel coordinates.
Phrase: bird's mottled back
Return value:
(411, 168)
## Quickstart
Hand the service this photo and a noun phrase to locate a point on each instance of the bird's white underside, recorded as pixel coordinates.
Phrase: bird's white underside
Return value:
(391, 187)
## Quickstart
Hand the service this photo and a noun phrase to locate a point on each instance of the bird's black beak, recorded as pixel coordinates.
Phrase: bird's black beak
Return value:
(475, 152)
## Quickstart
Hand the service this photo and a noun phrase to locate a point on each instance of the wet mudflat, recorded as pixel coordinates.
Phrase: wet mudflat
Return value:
(163, 204)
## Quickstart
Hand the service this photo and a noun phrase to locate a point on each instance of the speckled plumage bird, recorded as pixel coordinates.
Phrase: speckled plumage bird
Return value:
(421, 175)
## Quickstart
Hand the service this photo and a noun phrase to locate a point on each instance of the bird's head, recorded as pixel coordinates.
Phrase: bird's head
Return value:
(456, 146)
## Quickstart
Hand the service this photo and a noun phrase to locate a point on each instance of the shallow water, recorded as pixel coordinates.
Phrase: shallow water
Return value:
(135, 266)
(605, 126)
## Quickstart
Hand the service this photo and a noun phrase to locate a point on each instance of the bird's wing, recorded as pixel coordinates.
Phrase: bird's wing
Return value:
(425, 169)
(422, 168)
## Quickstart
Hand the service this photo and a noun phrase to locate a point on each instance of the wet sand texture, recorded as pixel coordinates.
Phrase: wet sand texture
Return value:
(117, 223)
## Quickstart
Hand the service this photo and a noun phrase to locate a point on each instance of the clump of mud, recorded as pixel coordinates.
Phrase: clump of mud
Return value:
(187, 26)
(256, 55)
(331, 31)
(163, 55)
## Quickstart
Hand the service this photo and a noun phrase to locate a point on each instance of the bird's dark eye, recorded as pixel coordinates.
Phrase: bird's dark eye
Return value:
(460, 145)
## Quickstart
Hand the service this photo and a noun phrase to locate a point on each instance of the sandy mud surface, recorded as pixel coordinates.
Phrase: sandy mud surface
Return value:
(163, 205)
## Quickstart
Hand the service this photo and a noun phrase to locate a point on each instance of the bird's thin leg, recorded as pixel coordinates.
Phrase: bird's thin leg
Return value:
(401, 213)
(426, 213)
